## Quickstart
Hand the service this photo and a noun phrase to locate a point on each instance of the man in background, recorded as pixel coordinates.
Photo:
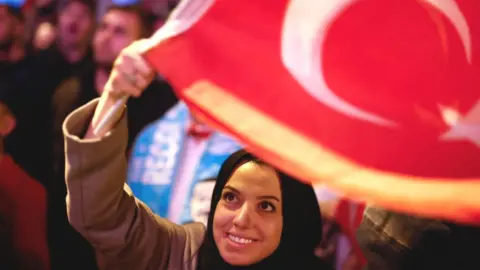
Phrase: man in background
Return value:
(14, 71)
(11, 31)
(118, 28)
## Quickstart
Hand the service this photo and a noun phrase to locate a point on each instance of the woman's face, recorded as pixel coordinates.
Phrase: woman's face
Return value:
(247, 224)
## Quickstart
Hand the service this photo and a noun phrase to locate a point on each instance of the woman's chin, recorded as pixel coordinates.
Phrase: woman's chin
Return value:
(234, 255)
(236, 259)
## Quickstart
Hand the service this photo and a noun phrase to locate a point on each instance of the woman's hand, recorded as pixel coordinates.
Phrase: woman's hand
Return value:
(130, 75)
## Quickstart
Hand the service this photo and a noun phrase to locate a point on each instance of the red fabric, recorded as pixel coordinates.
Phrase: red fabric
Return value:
(402, 60)
(25, 215)
(349, 216)
(28, 5)
(198, 131)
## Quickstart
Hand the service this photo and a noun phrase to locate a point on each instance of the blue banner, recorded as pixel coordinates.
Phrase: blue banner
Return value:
(155, 158)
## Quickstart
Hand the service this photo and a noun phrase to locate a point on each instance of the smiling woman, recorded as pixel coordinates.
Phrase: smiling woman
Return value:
(259, 218)
(247, 225)
(263, 219)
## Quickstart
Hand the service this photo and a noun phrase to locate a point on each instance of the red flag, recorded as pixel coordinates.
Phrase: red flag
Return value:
(378, 99)
(349, 216)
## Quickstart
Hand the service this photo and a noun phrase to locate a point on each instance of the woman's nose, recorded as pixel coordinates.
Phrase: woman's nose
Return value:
(243, 217)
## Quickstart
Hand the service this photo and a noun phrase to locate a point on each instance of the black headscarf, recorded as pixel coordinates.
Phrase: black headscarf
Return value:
(302, 224)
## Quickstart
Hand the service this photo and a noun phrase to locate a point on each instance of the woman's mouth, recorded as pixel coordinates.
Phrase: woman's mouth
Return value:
(240, 239)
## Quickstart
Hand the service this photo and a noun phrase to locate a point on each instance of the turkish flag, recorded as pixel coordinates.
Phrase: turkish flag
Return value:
(377, 99)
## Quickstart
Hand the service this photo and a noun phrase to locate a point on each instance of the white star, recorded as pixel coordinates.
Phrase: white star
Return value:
(462, 128)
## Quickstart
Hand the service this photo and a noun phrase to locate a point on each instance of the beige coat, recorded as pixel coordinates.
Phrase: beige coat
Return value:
(102, 208)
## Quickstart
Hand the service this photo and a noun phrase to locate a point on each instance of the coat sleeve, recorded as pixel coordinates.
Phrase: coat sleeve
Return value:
(102, 208)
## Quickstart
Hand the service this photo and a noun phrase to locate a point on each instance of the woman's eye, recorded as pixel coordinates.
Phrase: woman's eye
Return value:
(229, 197)
(267, 207)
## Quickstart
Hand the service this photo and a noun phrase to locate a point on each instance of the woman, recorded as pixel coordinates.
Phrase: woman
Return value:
(284, 231)
(259, 217)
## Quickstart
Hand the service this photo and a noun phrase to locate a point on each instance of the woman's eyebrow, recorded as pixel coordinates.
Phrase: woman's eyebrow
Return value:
(263, 197)
(234, 190)
(270, 197)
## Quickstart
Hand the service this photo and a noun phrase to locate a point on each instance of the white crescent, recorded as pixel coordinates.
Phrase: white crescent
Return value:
(452, 11)
(305, 26)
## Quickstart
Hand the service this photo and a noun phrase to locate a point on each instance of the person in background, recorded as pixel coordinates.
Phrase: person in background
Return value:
(11, 33)
(46, 70)
(15, 70)
(70, 53)
(68, 56)
(41, 24)
(23, 209)
(120, 26)
(12, 52)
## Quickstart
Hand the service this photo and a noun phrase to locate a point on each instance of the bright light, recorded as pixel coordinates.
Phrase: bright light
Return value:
(450, 115)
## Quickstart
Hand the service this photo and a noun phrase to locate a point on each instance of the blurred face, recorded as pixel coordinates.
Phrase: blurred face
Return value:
(7, 121)
(248, 221)
(75, 24)
(200, 205)
(117, 30)
(7, 28)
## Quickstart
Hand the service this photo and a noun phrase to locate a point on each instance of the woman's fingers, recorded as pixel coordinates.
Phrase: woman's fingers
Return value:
(121, 85)
(131, 74)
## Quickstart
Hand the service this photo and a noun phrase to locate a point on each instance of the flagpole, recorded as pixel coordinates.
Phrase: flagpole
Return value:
(108, 120)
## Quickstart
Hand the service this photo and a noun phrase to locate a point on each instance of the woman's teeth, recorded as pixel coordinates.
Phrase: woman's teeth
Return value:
(239, 240)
